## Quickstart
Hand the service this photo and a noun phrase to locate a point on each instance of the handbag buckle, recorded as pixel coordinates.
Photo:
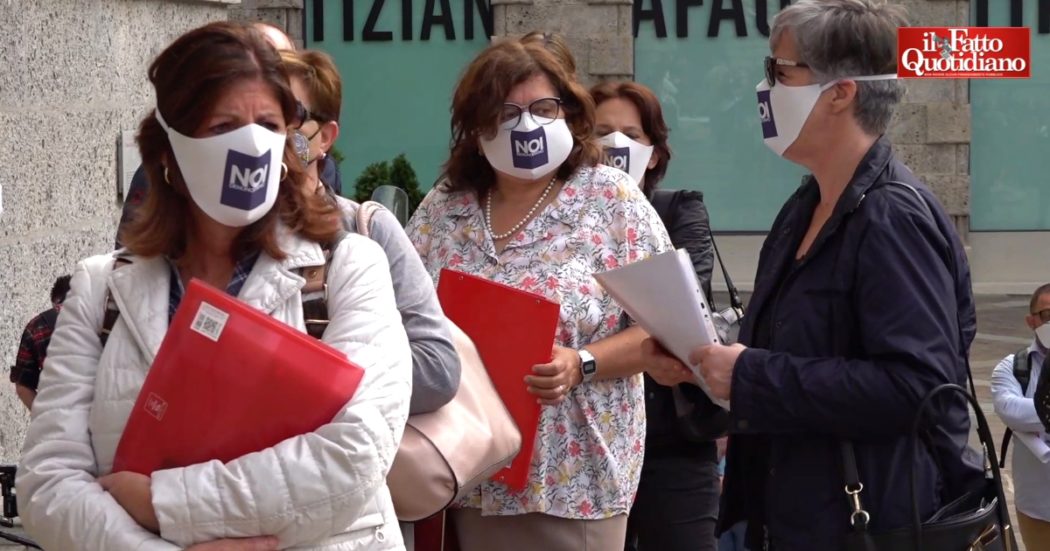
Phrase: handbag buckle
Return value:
(859, 518)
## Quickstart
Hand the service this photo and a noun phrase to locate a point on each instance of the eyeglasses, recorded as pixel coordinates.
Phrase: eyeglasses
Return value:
(543, 111)
(302, 115)
(771, 68)
(1044, 315)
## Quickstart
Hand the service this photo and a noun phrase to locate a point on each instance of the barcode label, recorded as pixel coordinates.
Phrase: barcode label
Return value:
(210, 321)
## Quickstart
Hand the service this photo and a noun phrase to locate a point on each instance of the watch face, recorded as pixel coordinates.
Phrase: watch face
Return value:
(590, 367)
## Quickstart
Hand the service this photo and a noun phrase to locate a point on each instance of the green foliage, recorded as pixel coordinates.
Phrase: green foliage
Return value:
(398, 173)
(373, 176)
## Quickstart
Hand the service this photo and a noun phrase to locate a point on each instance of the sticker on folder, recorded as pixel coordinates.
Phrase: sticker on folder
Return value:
(513, 330)
(210, 321)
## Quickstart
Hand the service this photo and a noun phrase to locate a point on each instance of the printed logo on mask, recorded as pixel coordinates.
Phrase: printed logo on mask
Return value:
(618, 157)
(244, 184)
(765, 114)
(528, 149)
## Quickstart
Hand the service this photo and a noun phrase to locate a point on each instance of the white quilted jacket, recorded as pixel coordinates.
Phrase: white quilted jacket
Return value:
(322, 490)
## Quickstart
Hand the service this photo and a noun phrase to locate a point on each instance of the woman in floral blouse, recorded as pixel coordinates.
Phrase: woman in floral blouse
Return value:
(525, 203)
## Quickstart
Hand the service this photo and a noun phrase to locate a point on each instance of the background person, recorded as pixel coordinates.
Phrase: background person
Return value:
(677, 503)
(435, 365)
(1013, 399)
(862, 302)
(32, 350)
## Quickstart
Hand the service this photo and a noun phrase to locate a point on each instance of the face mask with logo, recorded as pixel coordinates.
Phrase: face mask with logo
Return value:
(530, 149)
(783, 109)
(626, 154)
(1043, 334)
(232, 177)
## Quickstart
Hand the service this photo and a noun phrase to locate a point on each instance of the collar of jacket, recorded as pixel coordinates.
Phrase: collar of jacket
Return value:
(795, 217)
(140, 289)
(866, 175)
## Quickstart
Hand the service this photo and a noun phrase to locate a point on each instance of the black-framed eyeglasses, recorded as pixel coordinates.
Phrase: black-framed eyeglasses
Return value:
(771, 68)
(302, 115)
(543, 111)
(1043, 315)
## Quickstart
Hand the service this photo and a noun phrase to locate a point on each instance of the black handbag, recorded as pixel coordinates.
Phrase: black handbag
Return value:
(977, 521)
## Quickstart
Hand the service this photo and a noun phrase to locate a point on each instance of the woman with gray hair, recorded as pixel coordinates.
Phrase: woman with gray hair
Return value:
(862, 302)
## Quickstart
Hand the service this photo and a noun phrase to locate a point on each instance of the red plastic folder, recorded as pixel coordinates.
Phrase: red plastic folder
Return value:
(513, 330)
(229, 380)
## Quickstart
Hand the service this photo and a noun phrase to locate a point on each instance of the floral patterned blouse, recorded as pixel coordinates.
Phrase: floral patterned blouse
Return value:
(588, 454)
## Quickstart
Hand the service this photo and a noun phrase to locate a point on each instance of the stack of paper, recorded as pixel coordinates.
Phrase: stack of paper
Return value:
(1035, 442)
(662, 294)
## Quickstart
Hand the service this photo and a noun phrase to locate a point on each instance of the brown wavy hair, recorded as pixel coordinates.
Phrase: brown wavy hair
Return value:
(480, 95)
(319, 73)
(653, 124)
(189, 77)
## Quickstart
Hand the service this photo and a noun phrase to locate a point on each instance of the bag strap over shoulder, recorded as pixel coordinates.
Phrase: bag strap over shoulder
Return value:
(1022, 368)
(315, 291)
(109, 319)
(365, 212)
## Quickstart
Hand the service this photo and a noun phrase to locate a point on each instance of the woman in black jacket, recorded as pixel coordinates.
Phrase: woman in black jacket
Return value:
(861, 306)
(677, 502)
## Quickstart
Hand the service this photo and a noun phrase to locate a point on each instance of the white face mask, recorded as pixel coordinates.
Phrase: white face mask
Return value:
(232, 177)
(627, 155)
(529, 150)
(1042, 333)
(783, 109)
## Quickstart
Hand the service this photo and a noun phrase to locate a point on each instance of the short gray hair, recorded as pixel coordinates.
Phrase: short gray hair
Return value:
(844, 38)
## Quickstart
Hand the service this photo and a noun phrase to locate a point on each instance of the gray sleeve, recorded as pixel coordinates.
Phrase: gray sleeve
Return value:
(435, 364)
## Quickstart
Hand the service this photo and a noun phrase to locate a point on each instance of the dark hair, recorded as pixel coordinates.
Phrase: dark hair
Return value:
(189, 77)
(1043, 289)
(480, 96)
(653, 124)
(60, 289)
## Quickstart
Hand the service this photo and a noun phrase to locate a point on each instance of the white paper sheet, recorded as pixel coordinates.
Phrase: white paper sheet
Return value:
(1035, 443)
(662, 294)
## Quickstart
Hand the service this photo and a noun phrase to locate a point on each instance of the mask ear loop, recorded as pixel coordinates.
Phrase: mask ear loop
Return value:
(284, 171)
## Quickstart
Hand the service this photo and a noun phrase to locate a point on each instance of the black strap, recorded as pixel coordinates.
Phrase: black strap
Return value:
(663, 201)
(315, 300)
(1022, 367)
(1042, 394)
(109, 319)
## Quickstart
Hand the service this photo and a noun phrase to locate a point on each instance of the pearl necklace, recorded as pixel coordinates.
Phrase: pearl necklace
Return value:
(488, 213)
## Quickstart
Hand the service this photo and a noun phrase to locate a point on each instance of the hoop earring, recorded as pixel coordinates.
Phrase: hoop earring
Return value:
(167, 179)
(284, 172)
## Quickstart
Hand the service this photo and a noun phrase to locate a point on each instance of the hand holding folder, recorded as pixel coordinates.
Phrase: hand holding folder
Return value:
(663, 295)
(513, 330)
(229, 380)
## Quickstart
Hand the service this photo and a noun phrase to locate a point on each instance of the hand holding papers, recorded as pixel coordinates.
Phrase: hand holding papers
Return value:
(662, 294)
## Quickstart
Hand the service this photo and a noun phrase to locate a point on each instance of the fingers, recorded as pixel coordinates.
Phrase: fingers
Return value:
(697, 357)
(547, 370)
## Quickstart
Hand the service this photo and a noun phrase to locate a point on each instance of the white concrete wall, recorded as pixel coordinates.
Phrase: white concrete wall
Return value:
(72, 76)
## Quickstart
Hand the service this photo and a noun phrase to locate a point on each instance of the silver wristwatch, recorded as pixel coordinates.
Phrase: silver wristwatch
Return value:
(588, 365)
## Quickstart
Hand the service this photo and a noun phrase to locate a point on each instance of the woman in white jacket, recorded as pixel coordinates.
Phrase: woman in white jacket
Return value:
(225, 209)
